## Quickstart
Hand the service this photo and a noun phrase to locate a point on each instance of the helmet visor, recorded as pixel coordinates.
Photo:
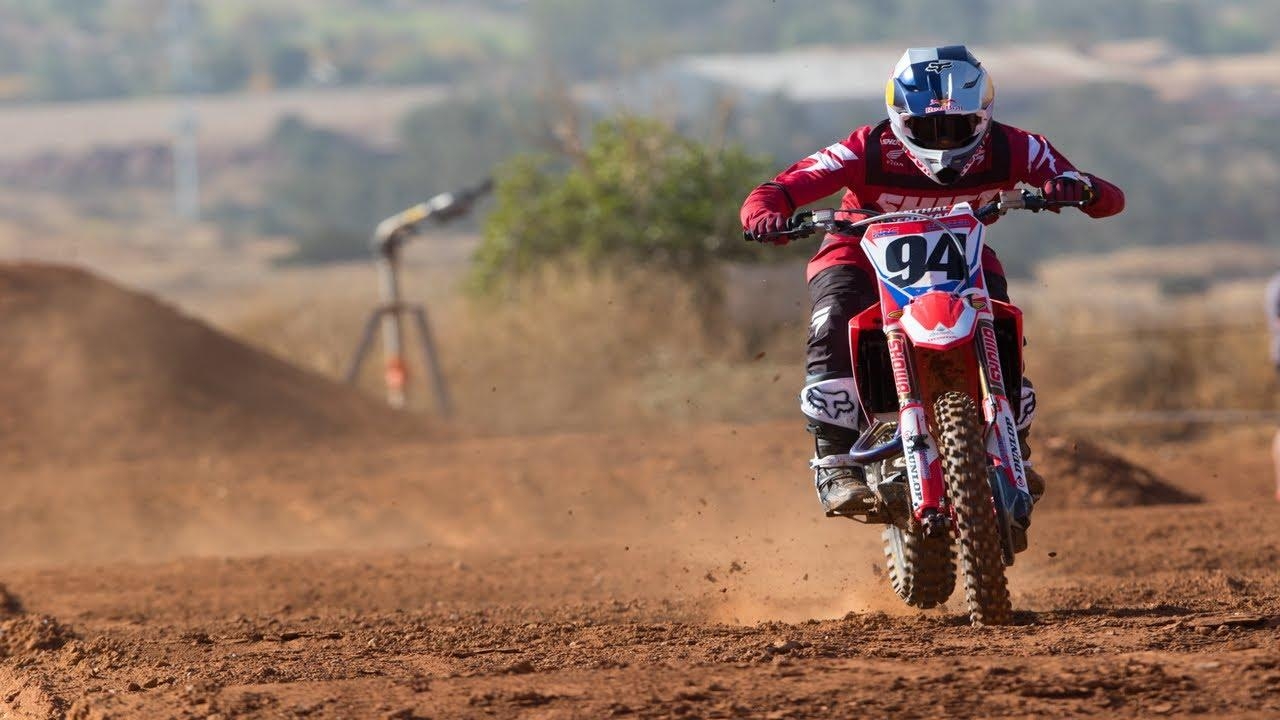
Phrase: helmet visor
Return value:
(942, 132)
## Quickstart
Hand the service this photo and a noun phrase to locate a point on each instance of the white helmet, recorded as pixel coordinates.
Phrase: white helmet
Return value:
(939, 101)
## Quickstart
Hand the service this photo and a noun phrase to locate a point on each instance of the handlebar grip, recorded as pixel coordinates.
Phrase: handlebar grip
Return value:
(801, 231)
(766, 237)
(798, 226)
(749, 236)
(988, 210)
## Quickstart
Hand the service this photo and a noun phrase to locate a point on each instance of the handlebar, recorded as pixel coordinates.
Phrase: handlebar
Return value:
(805, 224)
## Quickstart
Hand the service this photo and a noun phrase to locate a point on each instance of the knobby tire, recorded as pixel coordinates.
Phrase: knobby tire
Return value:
(964, 463)
(922, 570)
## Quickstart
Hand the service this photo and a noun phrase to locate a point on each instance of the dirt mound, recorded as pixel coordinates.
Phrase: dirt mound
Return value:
(92, 370)
(25, 634)
(1083, 474)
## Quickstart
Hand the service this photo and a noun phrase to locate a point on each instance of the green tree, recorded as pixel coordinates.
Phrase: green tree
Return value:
(289, 65)
(84, 13)
(1185, 181)
(327, 190)
(458, 142)
(224, 67)
(639, 194)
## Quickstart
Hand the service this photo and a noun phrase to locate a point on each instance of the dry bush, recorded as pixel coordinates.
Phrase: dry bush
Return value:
(567, 349)
(1099, 346)
(571, 349)
(1153, 369)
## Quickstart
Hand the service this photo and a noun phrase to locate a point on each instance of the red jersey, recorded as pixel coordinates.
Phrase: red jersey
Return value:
(878, 174)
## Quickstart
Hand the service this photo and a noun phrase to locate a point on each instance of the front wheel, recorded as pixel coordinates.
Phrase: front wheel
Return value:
(964, 465)
(922, 569)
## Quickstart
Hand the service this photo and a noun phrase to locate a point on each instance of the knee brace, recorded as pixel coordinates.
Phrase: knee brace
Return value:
(832, 402)
(1026, 412)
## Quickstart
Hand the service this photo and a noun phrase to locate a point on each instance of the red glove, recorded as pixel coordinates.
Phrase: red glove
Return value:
(770, 223)
(1065, 188)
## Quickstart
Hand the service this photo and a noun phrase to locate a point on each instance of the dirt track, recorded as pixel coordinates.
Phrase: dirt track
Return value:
(660, 572)
(732, 608)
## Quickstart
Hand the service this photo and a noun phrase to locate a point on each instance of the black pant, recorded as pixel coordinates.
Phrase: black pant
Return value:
(838, 294)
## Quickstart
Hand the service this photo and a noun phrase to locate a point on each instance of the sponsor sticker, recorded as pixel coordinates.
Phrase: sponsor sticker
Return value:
(912, 462)
(898, 361)
(917, 448)
(946, 105)
(830, 404)
(992, 351)
(1015, 452)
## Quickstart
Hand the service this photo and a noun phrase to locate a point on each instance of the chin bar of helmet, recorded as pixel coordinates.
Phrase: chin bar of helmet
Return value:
(442, 208)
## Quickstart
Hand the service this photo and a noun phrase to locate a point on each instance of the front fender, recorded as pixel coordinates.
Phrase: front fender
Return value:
(939, 320)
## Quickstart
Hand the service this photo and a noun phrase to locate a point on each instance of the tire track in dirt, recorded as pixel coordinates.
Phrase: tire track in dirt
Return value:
(639, 612)
(1113, 625)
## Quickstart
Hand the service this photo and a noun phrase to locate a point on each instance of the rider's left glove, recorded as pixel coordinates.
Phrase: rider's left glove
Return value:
(1068, 189)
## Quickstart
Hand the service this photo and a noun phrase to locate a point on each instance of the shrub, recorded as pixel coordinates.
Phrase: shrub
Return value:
(638, 194)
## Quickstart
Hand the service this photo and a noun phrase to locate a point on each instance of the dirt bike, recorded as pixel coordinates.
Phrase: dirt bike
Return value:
(939, 369)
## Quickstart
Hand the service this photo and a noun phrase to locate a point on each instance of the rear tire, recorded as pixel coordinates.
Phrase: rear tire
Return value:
(964, 463)
(922, 570)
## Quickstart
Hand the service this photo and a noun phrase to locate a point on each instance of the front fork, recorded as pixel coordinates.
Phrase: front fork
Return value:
(920, 449)
(1002, 430)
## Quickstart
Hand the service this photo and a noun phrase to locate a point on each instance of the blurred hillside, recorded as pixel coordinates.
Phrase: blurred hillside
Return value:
(80, 49)
(316, 118)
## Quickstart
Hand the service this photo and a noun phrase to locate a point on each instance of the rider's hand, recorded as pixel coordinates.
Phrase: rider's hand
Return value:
(771, 223)
(1067, 189)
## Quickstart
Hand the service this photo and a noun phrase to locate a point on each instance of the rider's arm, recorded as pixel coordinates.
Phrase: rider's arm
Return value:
(810, 180)
(1044, 163)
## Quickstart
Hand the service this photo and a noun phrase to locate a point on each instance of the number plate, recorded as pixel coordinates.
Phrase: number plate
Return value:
(916, 256)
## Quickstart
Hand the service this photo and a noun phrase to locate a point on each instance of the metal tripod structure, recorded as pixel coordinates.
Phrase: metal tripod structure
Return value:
(390, 314)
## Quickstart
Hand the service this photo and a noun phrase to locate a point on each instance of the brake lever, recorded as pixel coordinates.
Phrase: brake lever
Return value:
(749, 236)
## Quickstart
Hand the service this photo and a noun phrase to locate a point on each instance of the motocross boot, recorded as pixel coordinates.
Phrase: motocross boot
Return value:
(843, 488)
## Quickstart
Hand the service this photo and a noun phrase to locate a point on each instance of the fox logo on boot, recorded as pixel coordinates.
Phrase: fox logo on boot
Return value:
(831, 404)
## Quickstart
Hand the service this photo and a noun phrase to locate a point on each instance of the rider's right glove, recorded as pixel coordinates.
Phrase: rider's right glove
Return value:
(1068, 189)
(769, 224)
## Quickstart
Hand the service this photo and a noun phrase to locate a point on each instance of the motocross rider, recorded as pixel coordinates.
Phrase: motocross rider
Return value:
(938, 147)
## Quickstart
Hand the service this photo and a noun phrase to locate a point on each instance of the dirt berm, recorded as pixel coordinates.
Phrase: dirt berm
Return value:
(92, 371)
(1083, 474)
